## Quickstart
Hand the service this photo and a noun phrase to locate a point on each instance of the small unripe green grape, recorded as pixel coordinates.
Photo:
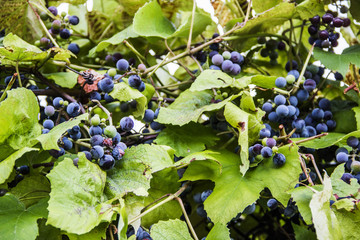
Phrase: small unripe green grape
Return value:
(259, 158)
(275, 149)
(110, 131)
(48, 25)
(355, 166)
(160, 99)
(66, 103)
(112, 72)
(226, 55)
(95, 120)
(290, 79)
(302, 80)
(218, 92)
(275, 137)
(66, 20)
(218, 97)
(37, 43)
(97, 60)
(56, 24)
(61, 102)
(103, 120)
(44, 16)
(225, 94)
(263, 141)
(141, 67)
(63, 14)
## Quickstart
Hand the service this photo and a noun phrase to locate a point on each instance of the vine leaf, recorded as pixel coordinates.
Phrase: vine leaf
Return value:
(341, 188)
(219, 231)
(260, 6)
(209, 79)
(63, 79)
(77, 204)
(173, 229)
(19, 222)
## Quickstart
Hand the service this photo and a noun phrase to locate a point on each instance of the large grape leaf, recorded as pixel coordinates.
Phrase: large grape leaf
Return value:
(309, 8)
(355, 9)
(49, 140)
(173, 229)
(348, 223)
(219, 231)
(149, 21)
(17, 221)
(163, 182)
(189, 106)
(124, 93)
(99, 232)
(234, 192)
(63, 79)
(77, 204)
(341, 188)
(48, 232)
(133, 172)
(18, 120)
(7, 165)
(326, 224)
(260, 6)
(209, 79)
(339, 62)
(187, 139)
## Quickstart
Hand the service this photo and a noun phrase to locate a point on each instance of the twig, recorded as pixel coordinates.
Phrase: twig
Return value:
(158, 65)
(311, 138)
(315, 166)
(303, 166)
(8, 87)
(141, 57)
(197, 63)
(98, 104)
(187, 218)
(18, 73)
(191, 25)
(248, 11)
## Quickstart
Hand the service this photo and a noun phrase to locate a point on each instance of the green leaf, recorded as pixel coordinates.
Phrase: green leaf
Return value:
(233, 193)
(333, 138)
(31, 189)
(99, 232)
(219, 231)
(50, 139)
(341, 188)
(7, 165)
(260, 6)
(79, 9)
(63, 79)
(357, 117)
(76, 203)
(264, 81)
(187, 139)
(133, 172)
(201, 19)
(124, 93)
(325, 221)
(348, 223)
(173, 229)
(18, 222)
(134, 205)
(209, 79)
(123, 224)
(189, 106)
(345, 203)
(303, 232)
(115, 40)
(339, 62)
(163, 182)
(309, 8)
(19, 118)
(149, 21)
(355, 9)
(48, 232)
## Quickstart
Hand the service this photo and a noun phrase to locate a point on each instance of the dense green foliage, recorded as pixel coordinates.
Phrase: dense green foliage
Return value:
(250, 133)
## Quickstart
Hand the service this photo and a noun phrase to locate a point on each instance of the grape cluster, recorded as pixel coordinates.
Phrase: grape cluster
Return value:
(269, 50)
(229, 62)
(322, 30)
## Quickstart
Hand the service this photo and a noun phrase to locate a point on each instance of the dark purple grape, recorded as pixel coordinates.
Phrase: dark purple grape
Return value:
(95, 96)
(271, 44)
(324, 104)
(74, 20)
(48, 124)
(266, 152)
(148, 115)
(74, 48)
(273, 117)
(338, 76)
(256, 149)
(126, 124)
(264, 52)
(302, 95)
(279, 100)
(24, 169)
(331, 124)
(312, 30)
(97, 152)
(299, 124)
(309, 85)
(272, 203)
(352, 142)
(323, 34)
(317, 114)
(267, 107)
(321, 127)
(236, 69)
(205, 194)
(107, 162)
(346, 22)
(134, 81)
(293, 101)
(270, 142)
(96, 140)
(265, 133)
(261, 40)
(212, 53)
(325, 44)
(65, 33)
(327, 17)
(73, 109)
(227, 66)
(235, 57)
(273, 55)
(346, 177)
(279, 159)
(338, 22)
(315, 20)
(281, 46)
(282, 111)
(53, 10)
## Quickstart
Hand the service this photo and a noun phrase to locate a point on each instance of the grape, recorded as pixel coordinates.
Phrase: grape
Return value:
(107, 162)
(279, 100)
(249, 209)
(282, 111)
(267, 107)
(226, 55)
(346, 22)
(45, 131)
(321, 127)
(205, 194)
(95, 96)
(331, 124)
(53, 10)
(24, 169)
(217, 59)
(126, 124)
(57, 153)
(95, 130)
(270, 142)
(117, 153)
(56, 25)
(122, 65)
(273, 55)
(352, 142)
(309, 85)
(56, 102)
(279, 159)
(338, 76)
(299, 124)
(201, 211)
(256, 149)
(295, 73)
(236, 69)
(261, 40)
(74, 48)
(134, 81)
(73, 109)
(317, 114)
(48, 124)
(212, 53)
(106, 85)
(49, 111)
(197, 198)
(265, 133)
(97, 152)
(73, 20)
(96, 140)
(292, 110)
(311, 130)
(338, 22)
(312, 30)
(328, 115)
(108, 98)
(290, 79)
(289, 211)
(76, 136)
(323, 35)
(121, 145)
(272, 203)
(334, 43)
(87, 155)
(142, 87)
(117, 138)
(214, 46)
(327, 18)
(235, 57)
(264, 52)
(346, 177)
(65, 33)
(293, 101)
(324, 104)
(302, 95)
(110, 131)
(214, 67)
(266, 152)
(288, 66)
(227, 66)
(133, 104)
(281, 46)
(273, 117)
(148, 115)
(315, 20)
(271, 44)
(280, 82)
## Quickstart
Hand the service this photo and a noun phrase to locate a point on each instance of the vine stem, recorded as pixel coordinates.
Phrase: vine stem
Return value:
(141, 57)
(158, 66)
(191, 25)
(311, 138)
(187, 218)
(303, 166)
(98, 104)
(8, 87)
(18, 73)
(175, 84)
(43, 25)
(315, 166)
